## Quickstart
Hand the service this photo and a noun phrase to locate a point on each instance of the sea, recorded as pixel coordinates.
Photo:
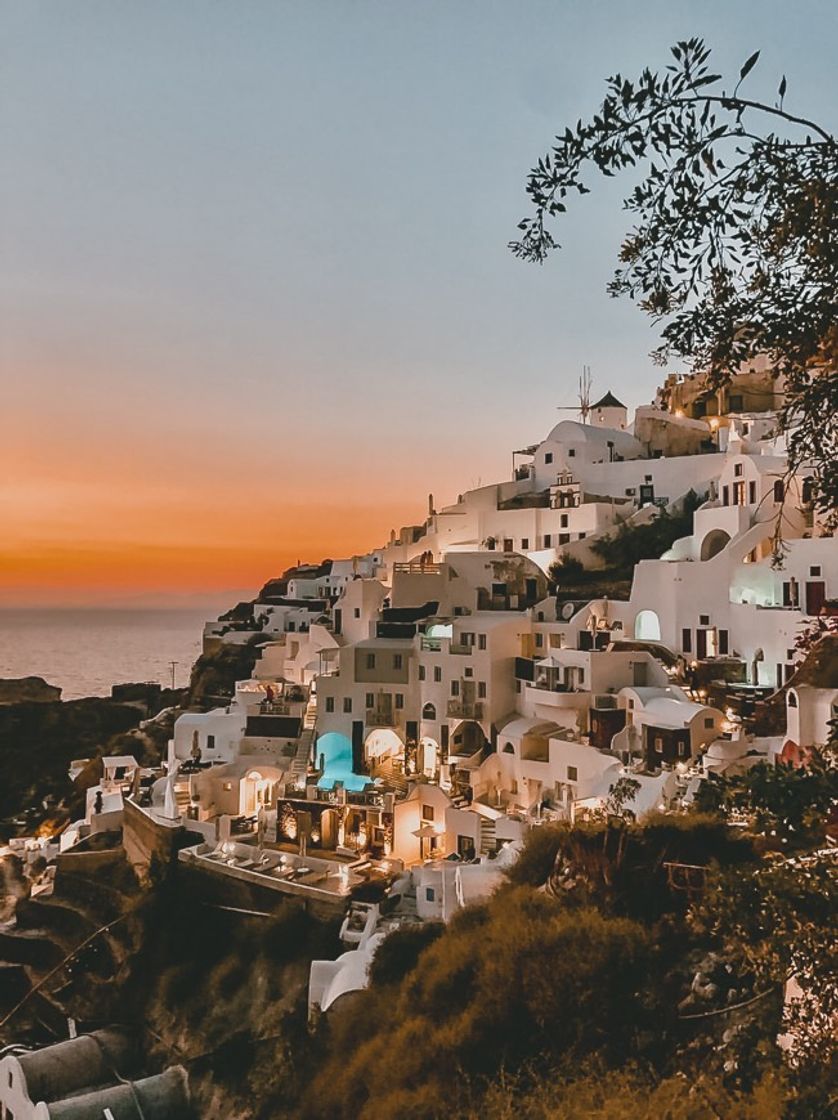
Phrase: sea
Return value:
(85, 651)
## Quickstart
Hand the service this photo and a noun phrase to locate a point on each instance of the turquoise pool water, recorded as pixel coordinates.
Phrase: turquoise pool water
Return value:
(336, 752)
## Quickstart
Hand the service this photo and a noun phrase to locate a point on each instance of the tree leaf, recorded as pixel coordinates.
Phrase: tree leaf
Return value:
(748, 66)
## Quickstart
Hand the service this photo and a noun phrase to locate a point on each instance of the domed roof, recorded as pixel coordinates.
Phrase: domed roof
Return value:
(571, 431)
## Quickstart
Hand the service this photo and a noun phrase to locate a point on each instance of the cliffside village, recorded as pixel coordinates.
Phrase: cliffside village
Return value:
(415, 710)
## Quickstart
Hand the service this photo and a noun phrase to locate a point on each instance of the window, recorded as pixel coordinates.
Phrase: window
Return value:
(563, 520)
(399, 699)
(815, 570)
(548, 457)
(427, 812)
(778, 490)
(330, 703)
(455, 688)
(210, 742)
(525, 543)
(708, 723)
(468, 672)
(437, 673)
(347, 703)
(581, 676)
(738, 469)
(564, 538)
(572, 774)
(397, 661)
(507, 544)
(370, 660)
(724, 643)
(725, 495)
(429, 712)
(647, 478)
(370, 700)
(481, 690)
(571, 453)
(429, 894)
(547, 539)
(539, 640)
(582, 536)
(792, 699)
(658, 743)
(704, 619)
(467, 639)
(682, 748)
(752, 493)
(481, 641)
(357, 612)
(421, 672)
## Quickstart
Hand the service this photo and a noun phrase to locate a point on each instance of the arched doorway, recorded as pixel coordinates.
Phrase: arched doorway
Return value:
(467, 739)
(428, 760)
(647, 626)
(713, 543)
(329, 828)
(383, 744)
(257, 792)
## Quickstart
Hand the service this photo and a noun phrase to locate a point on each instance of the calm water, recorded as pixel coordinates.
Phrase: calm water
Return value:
(84, 652)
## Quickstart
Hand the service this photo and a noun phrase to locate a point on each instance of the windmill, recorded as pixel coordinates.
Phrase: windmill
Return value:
(584, 406)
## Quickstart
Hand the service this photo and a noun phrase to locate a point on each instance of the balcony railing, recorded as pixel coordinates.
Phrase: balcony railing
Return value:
(415, 568)
(382, 717)
(463, 648)
(275, 708)
(465, 709)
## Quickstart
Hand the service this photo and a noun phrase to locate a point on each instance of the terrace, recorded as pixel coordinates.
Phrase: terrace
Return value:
(325, 880)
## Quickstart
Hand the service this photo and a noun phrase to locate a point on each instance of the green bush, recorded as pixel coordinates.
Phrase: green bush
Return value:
(399, 952)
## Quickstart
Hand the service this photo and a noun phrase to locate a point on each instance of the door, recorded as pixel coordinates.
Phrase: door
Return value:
(701, 644)
(815, 596)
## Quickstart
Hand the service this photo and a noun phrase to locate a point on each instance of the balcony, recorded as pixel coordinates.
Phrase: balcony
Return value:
(275, 708)
(465, 709)
(416, 568)
(463, 648)
(382, 717)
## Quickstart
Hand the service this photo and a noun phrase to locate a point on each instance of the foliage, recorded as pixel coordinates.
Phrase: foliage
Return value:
(567, 569)
(399, 953)
(627, 1094)
(790, 803)
(735, 247)
(779, 921)
(619, 864)
(533, 980)
(632, 542)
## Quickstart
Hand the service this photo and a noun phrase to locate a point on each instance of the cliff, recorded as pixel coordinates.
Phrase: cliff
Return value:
(33, 690)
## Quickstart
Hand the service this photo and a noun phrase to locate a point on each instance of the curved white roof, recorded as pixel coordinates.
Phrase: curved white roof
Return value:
(571, 431)
(353, 972)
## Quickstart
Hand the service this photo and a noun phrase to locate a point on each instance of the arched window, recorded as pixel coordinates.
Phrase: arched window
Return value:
(792, 699)
(429, 712)
(508, 748)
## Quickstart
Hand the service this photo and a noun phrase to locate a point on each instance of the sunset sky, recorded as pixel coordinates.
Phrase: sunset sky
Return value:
(255, 296)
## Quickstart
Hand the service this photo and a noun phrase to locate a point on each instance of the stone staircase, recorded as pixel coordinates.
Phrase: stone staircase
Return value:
(392, 776)
(488, 839)
(299, 764)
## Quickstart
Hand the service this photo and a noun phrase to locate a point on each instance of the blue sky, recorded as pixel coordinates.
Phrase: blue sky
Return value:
(241, 236)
